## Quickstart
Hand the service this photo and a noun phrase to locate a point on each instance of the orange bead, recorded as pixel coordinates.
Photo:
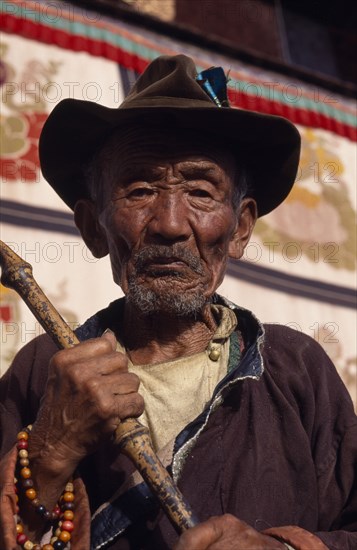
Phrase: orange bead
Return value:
(68, 515)
(25, 473)
(47, 547)
(23, 435)
(68, 497)
(19, 528)
(31, 494)
(65, 536)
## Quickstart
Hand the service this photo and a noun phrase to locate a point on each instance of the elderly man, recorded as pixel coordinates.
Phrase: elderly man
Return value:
(252, 421)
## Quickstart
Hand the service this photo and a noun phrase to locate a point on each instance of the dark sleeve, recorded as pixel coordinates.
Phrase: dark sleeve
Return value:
(326, 412)
(22, 387)
(336, 468)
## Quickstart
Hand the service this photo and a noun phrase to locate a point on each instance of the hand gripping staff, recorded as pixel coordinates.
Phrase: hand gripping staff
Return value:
(133, 438)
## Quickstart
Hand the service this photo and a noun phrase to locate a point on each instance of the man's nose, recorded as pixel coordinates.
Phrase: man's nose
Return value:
(170, 219)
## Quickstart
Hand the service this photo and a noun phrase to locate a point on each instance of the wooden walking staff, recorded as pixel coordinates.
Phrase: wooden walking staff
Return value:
(133, 438)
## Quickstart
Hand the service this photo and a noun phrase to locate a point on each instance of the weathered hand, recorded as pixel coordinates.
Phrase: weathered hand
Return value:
(226, 533)
(89, 390)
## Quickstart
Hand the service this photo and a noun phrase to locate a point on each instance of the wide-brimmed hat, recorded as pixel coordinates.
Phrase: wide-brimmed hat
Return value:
(169, 93)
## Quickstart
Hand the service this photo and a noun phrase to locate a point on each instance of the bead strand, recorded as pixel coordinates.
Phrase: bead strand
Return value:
(62, 515)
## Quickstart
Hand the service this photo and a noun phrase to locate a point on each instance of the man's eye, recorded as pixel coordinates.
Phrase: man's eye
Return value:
(201, 193)
(140, 192)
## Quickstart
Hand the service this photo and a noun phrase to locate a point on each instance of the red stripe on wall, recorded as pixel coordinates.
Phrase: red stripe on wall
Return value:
(313, 119)
(68, 41)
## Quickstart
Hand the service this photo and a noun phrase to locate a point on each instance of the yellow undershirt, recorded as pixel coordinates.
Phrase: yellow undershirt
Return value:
(176, 392)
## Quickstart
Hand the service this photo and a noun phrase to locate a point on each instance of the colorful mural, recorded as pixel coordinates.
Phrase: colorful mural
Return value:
(323, 198)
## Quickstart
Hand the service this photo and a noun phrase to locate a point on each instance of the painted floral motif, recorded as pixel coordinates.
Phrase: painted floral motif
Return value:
(321, 199)
(19, 136)
(25, 114)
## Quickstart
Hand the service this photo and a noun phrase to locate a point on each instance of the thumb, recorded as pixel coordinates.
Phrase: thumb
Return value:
(110, 336)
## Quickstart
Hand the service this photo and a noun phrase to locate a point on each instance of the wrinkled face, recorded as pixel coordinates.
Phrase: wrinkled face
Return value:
(167, 218)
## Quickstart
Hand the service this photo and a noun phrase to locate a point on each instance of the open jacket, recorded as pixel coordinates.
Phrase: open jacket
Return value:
(276, 447)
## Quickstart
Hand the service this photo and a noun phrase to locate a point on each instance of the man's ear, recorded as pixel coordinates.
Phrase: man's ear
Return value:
(86, 219)
(247, 216)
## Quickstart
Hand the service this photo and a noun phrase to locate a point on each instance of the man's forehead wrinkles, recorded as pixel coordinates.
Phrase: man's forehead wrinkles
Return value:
(147, 156)
(204, 165)
(151, 170)
(157, 163)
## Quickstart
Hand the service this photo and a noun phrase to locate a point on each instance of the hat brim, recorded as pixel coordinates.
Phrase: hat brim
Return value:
(269, 145)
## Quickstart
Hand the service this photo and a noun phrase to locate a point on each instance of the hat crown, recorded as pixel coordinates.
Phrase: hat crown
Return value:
(167, 77)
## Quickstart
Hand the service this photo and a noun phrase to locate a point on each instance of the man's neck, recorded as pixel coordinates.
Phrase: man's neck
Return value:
(158, 338)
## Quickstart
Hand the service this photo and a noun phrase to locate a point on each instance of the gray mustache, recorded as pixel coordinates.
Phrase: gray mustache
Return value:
(153, 252)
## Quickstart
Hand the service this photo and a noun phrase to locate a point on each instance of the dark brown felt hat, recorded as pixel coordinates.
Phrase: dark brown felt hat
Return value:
(168, 93)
